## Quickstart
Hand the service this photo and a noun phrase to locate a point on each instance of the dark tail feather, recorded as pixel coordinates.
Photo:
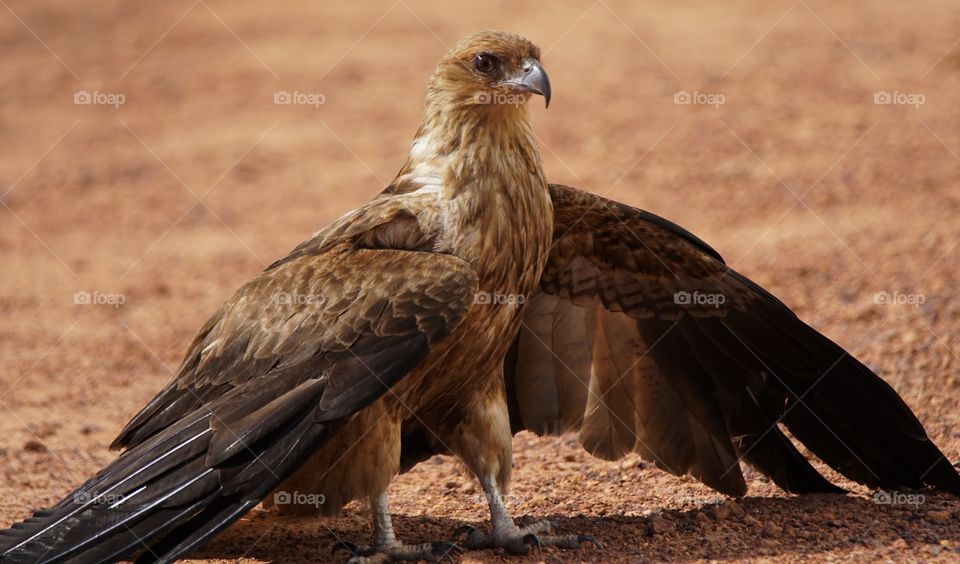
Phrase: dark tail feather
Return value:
(159, 505)
(196, 531)
(247, 469)
(184, 484)
(131, 539)
(105, 532)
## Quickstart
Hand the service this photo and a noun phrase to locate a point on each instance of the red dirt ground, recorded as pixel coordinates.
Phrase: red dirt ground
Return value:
(198, 180)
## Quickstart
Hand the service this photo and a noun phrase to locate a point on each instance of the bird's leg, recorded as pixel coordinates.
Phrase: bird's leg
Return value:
(386, 547)
(482, 439)
(383, 535)
(506, 534)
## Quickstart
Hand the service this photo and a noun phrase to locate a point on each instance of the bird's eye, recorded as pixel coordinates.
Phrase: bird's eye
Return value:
(486, 63)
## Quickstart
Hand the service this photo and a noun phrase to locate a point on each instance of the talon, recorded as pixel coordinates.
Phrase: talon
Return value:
(469, 529)
(447, 551)
(534, 540)
(444, 550)
(590, 539)
(344, 545)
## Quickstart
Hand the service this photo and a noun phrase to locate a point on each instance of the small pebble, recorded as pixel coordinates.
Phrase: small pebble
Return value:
(34, 446)
(720, 512)
(658, 526)
(938, 516)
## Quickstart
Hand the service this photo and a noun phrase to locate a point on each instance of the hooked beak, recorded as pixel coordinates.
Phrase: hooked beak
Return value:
(532, 78)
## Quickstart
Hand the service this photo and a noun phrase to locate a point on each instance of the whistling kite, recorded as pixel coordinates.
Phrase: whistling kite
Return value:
(467, 301)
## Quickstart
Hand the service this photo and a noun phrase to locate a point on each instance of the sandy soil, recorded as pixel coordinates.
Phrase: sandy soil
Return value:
(198, 179)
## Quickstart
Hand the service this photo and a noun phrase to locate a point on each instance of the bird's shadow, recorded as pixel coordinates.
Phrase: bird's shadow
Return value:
(758, 527)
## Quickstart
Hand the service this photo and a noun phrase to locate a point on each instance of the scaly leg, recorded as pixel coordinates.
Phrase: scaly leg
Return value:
(386, 547)
(482, 439)
(506, 533)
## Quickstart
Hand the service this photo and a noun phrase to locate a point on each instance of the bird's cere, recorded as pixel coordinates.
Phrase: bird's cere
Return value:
(531, 78)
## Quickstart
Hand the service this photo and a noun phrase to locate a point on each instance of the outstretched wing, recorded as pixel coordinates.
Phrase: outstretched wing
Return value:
(270, 378)
(643, 340)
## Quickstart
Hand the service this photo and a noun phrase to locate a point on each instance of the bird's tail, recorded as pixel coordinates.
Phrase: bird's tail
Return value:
(164, 497)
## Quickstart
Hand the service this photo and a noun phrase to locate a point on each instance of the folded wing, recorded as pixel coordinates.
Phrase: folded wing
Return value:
(269, 379)
(642, 340)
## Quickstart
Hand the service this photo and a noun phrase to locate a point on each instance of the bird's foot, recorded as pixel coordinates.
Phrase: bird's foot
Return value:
(399, 552)
(519, 540)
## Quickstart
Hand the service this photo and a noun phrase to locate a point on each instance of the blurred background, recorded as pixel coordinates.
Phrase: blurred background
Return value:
(154, 156)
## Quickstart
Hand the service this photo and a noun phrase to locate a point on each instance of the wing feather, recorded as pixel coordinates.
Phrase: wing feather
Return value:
(257, 395)
(643, 340)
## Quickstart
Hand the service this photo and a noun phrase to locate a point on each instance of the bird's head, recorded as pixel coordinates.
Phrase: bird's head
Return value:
(490, 70)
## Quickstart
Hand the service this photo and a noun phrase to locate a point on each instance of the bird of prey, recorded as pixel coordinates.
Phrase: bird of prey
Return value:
(466, 302)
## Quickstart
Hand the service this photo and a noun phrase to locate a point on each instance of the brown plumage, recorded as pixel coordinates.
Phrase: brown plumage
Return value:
(642, 340)
(370, 323)
(467, 301)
